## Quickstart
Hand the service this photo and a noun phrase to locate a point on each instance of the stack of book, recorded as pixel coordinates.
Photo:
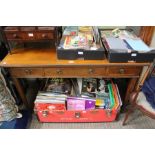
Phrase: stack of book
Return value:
(81, 37)
(105, 92)
(93, 93)
(52, 100)
(123, 40)
(71, 31)
(54, 93)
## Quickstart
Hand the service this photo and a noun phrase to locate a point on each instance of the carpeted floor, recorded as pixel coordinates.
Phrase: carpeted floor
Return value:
(135, 121)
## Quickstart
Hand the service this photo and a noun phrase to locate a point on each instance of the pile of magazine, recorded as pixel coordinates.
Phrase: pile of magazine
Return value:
(54, 93)
(123, 40)
(80, 37)
(104, 91)
(79, 94)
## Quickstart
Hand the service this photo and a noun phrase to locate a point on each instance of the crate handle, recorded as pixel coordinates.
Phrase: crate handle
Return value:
(45, 113)
(77, 115)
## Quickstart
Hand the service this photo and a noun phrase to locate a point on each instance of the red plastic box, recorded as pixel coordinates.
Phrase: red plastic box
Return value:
(46, 114)
(97, 115)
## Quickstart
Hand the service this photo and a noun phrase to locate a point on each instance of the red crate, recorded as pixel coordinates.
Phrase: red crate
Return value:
(46, 114)
(97, 115)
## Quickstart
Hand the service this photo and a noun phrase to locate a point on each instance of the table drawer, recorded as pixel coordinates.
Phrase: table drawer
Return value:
(75, 72)
(124, 71)
(45, 35)
(27, 72)
(30, 35)
(14, 35)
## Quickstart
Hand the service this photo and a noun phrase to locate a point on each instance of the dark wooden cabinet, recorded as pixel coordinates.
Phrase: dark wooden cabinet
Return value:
(29, 33)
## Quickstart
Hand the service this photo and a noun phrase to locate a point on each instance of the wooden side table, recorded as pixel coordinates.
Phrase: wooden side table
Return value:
(43, 63)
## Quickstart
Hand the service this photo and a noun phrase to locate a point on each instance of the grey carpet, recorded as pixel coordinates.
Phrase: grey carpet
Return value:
(136, 121)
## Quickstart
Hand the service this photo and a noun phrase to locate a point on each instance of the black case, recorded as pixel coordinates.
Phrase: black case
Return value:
(73, 54)
(125, 56)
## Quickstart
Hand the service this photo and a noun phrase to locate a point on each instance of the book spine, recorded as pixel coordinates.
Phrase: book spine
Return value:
(111, 96)
(115, 96)
(119, 97)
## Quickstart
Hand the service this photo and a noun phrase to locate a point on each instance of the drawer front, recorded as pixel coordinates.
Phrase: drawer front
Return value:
(13, 36)
(124, 71)
(29, 35)
(27, 72)
(45, 35)
(75, 72)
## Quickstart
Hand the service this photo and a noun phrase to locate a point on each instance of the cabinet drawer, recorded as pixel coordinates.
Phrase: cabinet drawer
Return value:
(27, 72)
(75, 72)
(45, 35)
(14, 36)
(29, 35)
(123, 71)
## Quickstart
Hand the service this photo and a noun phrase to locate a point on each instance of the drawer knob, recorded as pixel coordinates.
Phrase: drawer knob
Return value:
(121, 71)
(59, 71)
(44, 35)
(77, 115)
(90, 71)
(15, 35)
(28, 71)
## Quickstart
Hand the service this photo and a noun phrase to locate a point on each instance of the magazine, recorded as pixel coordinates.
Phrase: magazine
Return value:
(89, 87)
(58, 85)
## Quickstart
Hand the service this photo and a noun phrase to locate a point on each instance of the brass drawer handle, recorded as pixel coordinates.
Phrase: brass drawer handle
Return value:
(28, 71)
(15, 35)
(90, 71)
(30, 35)
(44, 35)
(122, 71)
(59, 71)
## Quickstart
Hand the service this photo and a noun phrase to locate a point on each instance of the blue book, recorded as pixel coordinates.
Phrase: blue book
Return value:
(116, 43)
(137, 45)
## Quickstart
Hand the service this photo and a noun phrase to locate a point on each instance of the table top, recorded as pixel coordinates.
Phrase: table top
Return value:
(44, 57)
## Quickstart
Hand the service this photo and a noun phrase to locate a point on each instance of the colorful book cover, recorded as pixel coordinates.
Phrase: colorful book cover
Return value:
(112, 102)
(74, 103)
(90, 104)
(119, 97)
(71, 30)
(115, 96)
